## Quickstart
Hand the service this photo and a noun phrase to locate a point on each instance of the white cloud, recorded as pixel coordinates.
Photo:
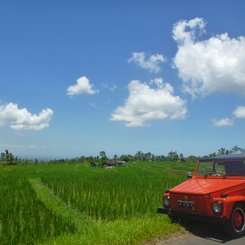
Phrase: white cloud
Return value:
(21, 119)
(82, 86)
(149, 63)
(146, 103)
(208, 66)
(194, 26)
(158, 82)
(222, 122)
(239, 112)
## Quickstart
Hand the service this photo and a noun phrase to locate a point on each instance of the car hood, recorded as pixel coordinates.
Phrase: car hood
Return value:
(205, 185)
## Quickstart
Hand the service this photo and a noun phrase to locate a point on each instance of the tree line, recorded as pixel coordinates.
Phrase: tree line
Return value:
(8, 158)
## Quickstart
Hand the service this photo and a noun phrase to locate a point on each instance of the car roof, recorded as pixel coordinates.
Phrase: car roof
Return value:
(229, 157)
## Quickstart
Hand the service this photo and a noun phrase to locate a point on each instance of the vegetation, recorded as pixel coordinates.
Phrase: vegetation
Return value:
(114, 193)
(223, 151)
(8, 158)
(78, 204)
(75, 203)
(23, 218)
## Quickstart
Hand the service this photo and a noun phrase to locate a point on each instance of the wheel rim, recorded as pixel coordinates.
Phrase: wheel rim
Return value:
(238, 220)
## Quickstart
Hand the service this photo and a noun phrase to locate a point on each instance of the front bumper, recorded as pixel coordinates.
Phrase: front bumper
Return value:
(162, 210)
(216, 219)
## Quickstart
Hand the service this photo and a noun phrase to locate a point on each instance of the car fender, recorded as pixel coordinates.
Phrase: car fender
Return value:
(229, 203)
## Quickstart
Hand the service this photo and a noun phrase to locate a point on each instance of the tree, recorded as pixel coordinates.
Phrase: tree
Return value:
(148, 156)
(173, 156)
(181, 157)
(7, 158)
(237, 149)
(2, 156)
(103, 155)
(221, 151)
(103, 158)
(212, 154)
(126, 158)
(138, 155)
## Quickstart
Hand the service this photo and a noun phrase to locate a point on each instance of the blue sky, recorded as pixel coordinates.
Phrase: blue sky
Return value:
(78, 77)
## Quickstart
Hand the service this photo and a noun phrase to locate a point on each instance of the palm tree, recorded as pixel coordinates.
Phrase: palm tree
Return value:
(221, 151)
(237, 149)
(7, 158)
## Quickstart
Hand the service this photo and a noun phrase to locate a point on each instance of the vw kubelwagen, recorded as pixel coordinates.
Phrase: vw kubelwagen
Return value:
(215, 192)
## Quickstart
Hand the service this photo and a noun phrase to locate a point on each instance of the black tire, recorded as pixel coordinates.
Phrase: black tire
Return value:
(236, 224)
(174, 219)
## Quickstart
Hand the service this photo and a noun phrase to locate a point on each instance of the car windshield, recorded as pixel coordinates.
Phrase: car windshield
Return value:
(224, 168)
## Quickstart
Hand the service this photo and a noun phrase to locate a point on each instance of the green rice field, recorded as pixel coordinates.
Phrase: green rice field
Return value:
(80, 204)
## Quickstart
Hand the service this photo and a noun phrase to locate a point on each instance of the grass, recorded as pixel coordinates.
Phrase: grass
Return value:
(78, 204)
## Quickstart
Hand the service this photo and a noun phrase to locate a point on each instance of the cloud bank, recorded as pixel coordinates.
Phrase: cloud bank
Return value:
(149, 101)
(82, 86)
(21, 119)
(150, 63)
(208, 66)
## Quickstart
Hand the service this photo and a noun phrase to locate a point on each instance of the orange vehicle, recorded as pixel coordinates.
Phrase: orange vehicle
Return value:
(215, 192)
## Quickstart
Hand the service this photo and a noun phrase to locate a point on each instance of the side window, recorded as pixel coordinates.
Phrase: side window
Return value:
(235, 168)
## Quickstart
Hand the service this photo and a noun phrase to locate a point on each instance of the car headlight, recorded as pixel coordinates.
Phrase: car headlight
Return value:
(166, 200)
(217, 207)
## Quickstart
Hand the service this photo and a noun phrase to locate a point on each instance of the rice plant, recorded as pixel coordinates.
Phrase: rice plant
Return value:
(23, 218)
(116, 203)
(111, 194)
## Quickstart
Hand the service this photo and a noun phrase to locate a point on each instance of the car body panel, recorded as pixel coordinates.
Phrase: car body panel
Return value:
(202, 186)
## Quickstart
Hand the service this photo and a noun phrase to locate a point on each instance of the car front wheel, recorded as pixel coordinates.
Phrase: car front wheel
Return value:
(236, 224)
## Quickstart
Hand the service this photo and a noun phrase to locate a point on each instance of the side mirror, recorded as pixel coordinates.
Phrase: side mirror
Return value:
(189, 175)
